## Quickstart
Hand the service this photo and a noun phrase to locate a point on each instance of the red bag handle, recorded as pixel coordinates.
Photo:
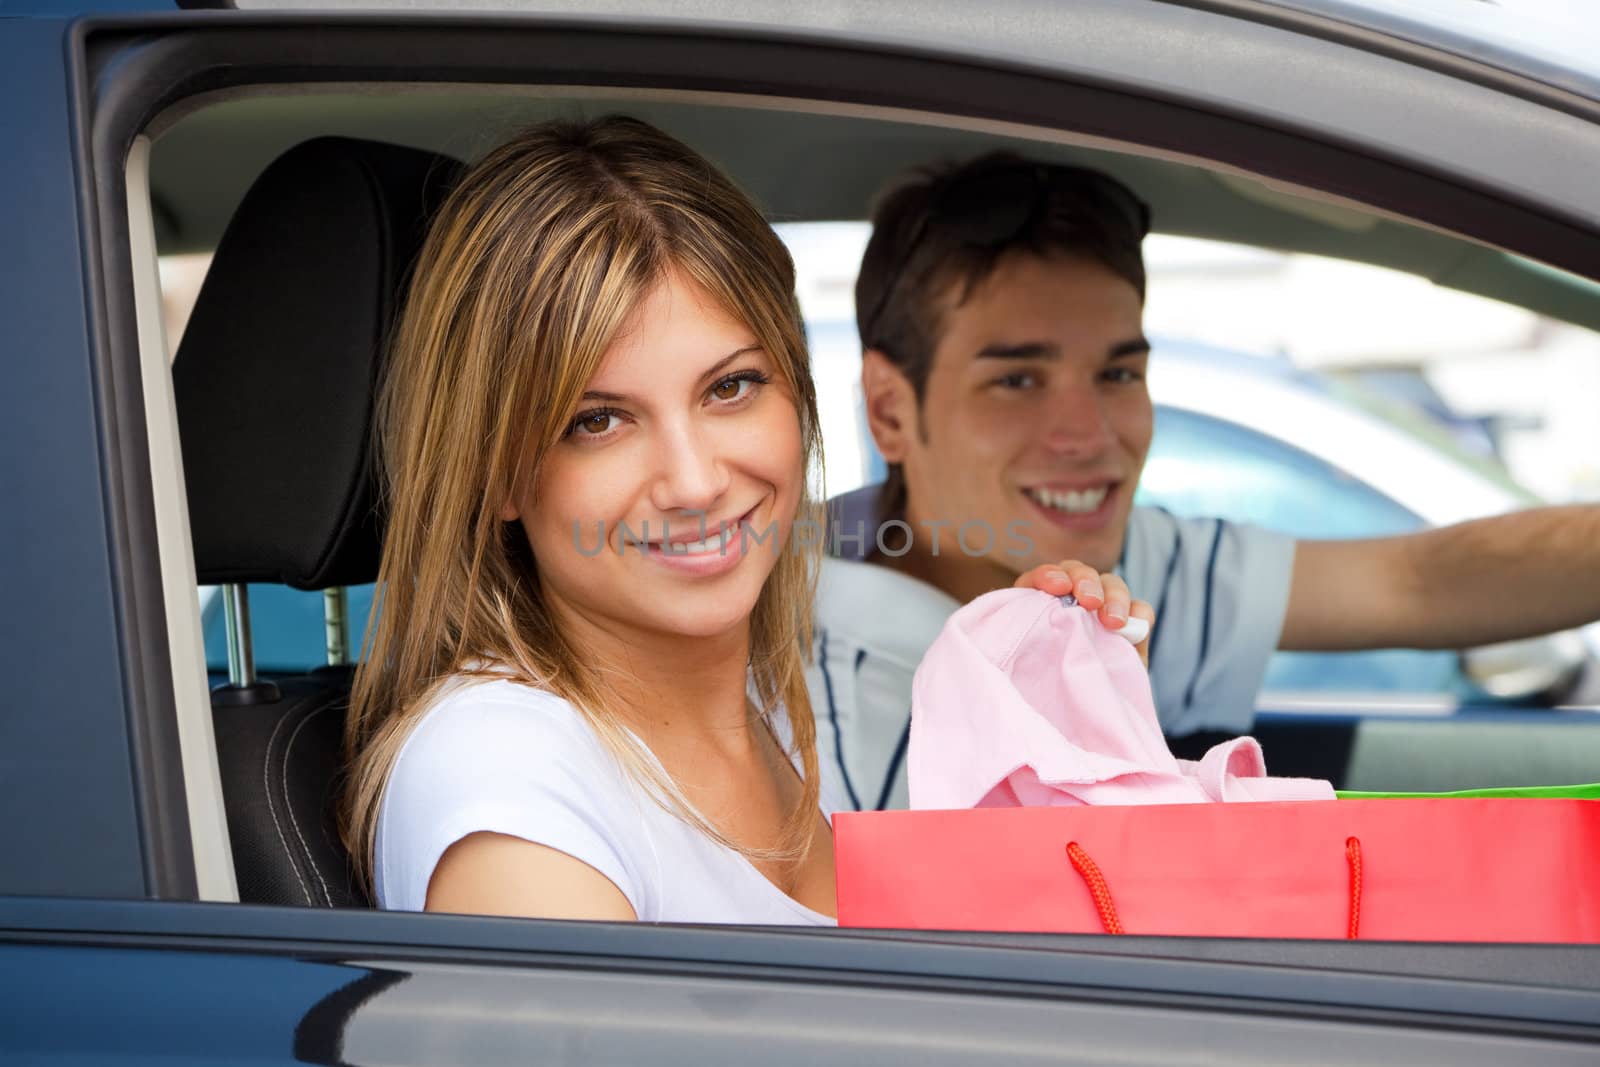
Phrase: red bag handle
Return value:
(1089, 871)
(1352, 852)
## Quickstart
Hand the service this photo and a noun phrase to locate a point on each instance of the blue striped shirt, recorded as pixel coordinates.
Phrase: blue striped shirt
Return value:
(1219, 590)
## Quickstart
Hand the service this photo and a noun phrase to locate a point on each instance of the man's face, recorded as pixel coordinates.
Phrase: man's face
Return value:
(1036, 416)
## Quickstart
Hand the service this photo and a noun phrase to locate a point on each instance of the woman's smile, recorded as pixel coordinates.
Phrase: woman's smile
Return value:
(721, 549)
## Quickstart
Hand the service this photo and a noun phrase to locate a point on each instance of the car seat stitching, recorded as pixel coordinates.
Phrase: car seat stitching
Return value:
(288, 747)
(335, 845)
(272, 809)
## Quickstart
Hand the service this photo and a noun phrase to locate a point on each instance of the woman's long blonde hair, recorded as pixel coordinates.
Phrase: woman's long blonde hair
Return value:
(537, 258)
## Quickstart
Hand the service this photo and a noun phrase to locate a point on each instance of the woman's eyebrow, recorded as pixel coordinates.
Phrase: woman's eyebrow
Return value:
(710, 372)
(727, 359)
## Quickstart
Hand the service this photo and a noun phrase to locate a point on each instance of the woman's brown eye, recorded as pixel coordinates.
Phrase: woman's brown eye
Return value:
(596, 423)
(727, 389)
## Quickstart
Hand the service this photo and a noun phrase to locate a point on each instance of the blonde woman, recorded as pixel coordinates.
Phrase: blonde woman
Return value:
(583, 697)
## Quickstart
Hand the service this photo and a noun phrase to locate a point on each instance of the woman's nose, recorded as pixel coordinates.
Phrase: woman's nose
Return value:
(692, 473)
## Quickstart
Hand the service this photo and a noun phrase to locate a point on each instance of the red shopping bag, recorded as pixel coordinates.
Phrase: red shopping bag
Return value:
(1404, 870)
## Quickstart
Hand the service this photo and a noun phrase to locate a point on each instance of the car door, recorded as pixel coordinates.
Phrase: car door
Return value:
(113, 814)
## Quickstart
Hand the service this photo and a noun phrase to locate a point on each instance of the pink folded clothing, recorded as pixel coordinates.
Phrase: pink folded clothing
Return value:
(1025, 701)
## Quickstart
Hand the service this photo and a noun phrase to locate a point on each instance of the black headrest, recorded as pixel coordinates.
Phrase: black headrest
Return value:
(275, 375)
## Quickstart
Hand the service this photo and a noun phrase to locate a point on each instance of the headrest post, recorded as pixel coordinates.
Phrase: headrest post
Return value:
(336, 624)
(236, 614)
(243, 686)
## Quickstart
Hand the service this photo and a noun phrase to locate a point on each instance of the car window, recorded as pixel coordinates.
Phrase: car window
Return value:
(1204, 466)
(286, 627)
(1201, 466)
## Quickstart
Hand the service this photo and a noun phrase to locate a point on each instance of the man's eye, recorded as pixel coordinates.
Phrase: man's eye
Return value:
(1020, 380)
(1123, 375)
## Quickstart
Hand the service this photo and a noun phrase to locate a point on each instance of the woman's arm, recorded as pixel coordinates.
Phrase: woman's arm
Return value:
(496, 874)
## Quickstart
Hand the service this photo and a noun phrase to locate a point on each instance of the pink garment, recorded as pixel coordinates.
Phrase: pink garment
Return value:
(1023, 701)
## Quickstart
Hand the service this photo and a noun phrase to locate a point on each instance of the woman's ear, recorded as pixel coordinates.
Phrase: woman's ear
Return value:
(516, 494)
(891, 405)
(509, 509)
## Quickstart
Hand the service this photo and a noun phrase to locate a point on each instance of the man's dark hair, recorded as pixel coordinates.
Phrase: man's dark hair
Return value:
(947, 228)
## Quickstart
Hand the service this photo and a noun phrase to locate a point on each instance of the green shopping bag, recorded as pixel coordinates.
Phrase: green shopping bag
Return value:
(1561, 792)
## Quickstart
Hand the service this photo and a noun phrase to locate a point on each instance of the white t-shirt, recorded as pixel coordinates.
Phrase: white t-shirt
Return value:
(496, 755)
(1219, 590)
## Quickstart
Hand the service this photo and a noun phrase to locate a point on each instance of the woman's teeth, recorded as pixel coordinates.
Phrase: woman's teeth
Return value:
(1072, 501)
(714, 543)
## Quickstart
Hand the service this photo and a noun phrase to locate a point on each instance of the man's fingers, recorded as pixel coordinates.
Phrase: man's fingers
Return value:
(1106, 595)
(1068, 576)
(1114, 612)
(1141, 614)
(1086, 584)
(1047, 577)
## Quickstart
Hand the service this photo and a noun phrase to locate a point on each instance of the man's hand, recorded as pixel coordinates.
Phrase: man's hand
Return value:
(1104, 594)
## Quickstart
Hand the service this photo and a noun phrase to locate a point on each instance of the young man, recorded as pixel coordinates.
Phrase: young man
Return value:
(1000, 307)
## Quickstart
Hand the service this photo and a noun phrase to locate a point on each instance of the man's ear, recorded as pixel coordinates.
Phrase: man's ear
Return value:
(891, 405)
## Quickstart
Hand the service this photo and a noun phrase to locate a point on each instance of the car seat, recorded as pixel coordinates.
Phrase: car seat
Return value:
(275, 385)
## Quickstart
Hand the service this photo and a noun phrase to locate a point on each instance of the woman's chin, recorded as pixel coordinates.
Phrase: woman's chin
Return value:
(710, 614)
(706, 625)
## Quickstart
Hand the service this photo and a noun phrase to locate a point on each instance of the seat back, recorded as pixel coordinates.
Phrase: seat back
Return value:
(281, 771)
(275, 384)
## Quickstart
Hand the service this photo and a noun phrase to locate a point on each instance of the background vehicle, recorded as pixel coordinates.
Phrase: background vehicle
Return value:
(1257, 441)
(136, 132)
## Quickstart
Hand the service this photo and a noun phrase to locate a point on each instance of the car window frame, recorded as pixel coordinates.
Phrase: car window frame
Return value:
(145, 69)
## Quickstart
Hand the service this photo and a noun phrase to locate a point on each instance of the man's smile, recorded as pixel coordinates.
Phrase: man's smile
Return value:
(1077, 500)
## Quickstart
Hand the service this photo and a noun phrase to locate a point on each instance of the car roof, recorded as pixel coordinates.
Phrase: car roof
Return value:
(1556, 42)
(804, 165)
(1547, 41)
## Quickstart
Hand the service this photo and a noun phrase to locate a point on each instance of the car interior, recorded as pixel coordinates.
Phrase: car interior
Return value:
(314, 204)
(274, 387)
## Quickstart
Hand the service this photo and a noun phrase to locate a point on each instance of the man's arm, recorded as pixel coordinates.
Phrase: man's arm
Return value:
(1496, 579)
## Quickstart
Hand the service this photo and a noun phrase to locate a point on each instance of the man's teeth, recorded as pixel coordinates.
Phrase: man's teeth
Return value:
(1074, 501)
